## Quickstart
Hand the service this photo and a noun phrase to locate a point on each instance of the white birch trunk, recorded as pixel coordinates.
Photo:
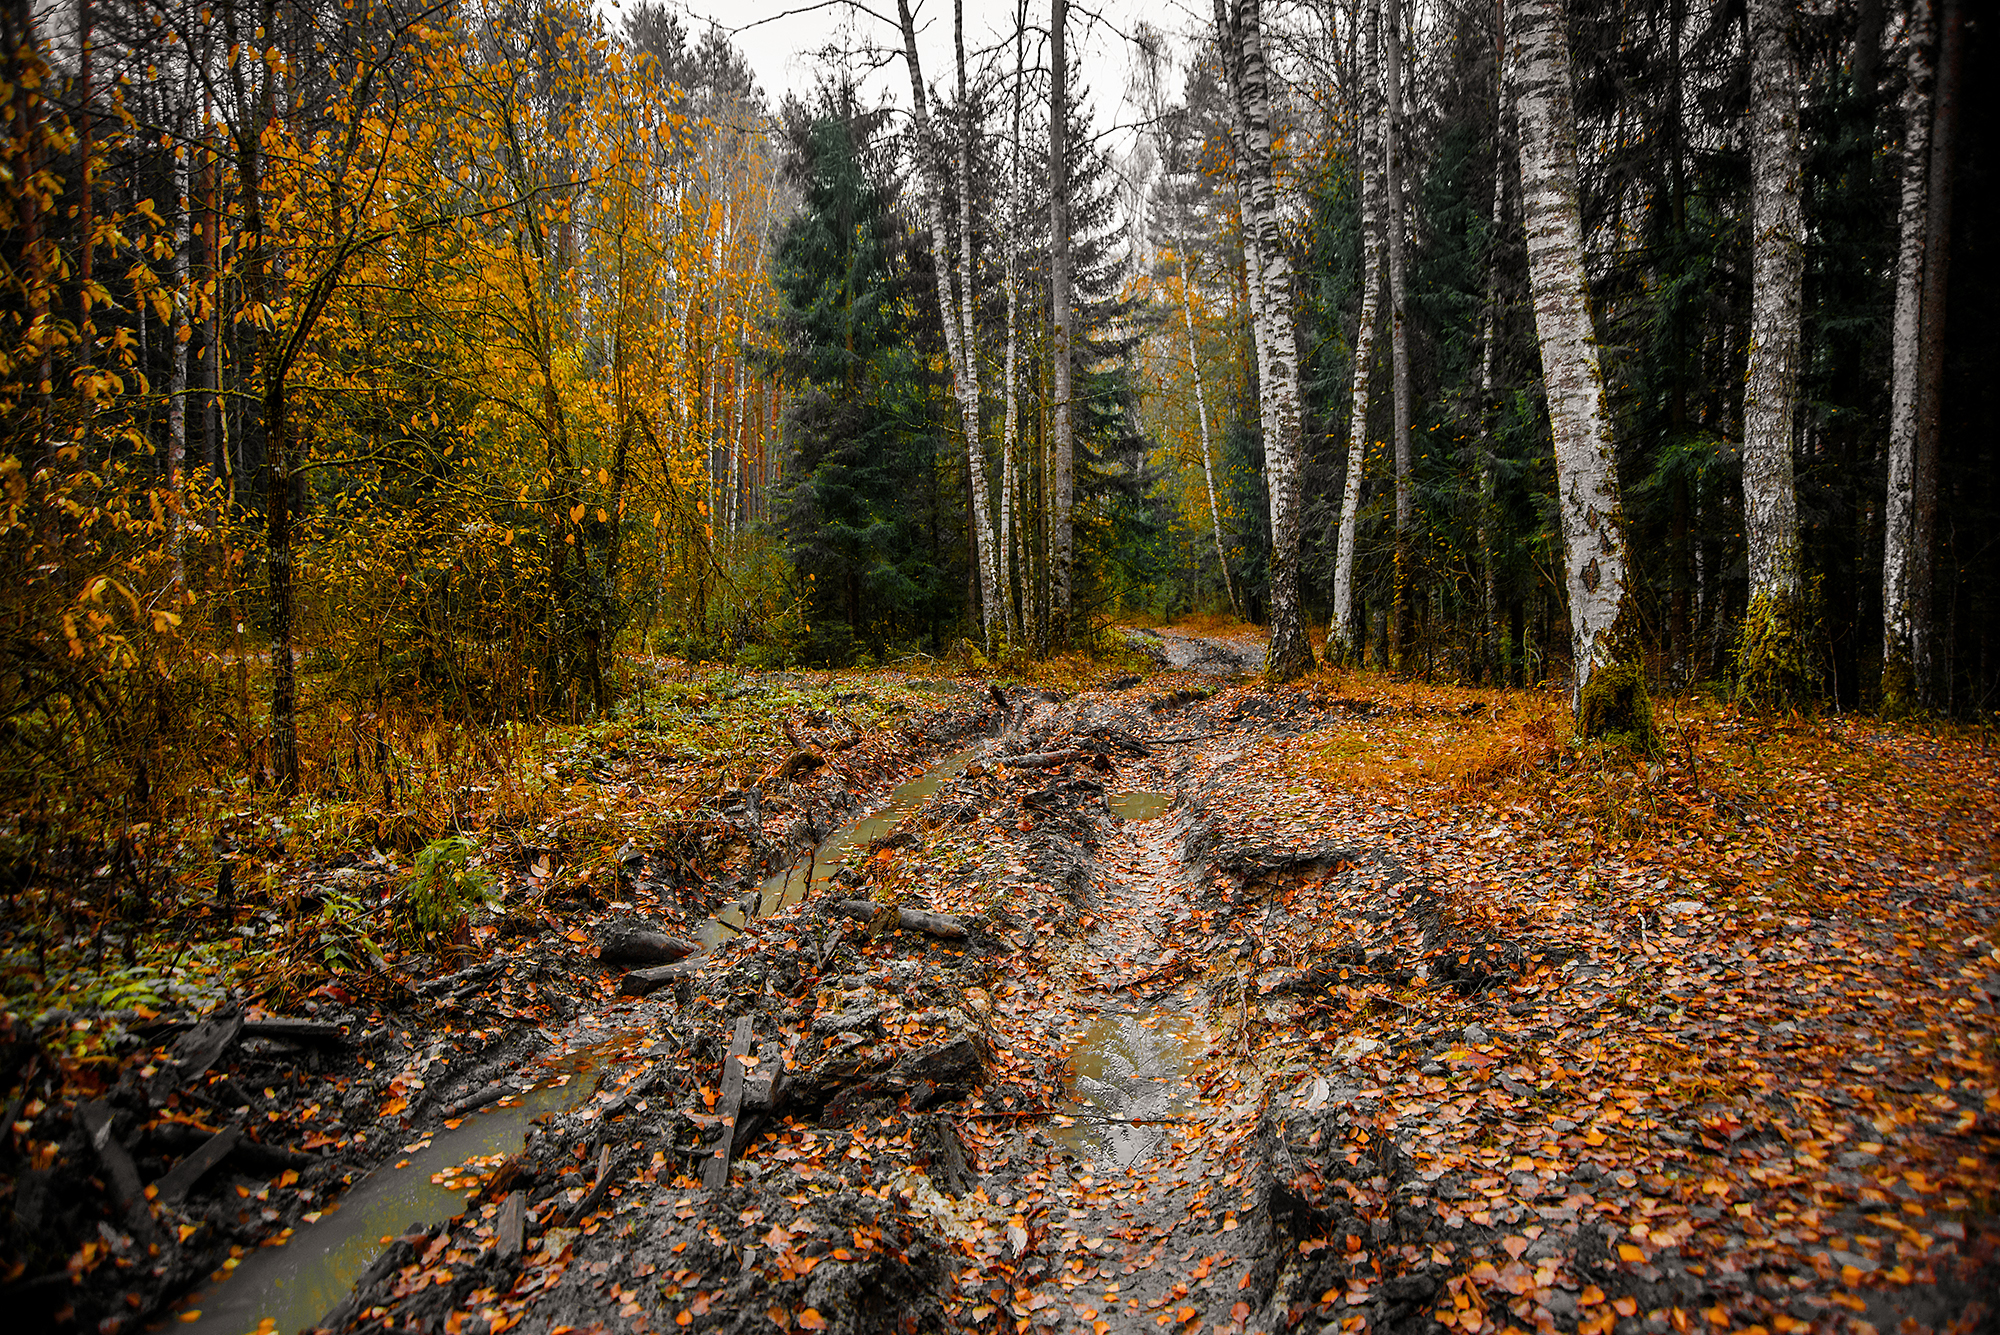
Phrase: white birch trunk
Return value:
(1062, 467)
(1491, 634)
(1777, 266)
(1402, 635)
(1899, 509)
(1201, 419)
(1011, 421)
(1242, 39)
(1343, 636)
(957, 325)
(1586, 475)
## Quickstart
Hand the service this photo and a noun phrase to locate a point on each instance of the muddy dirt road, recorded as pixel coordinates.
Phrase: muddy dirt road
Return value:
(1130, 1019)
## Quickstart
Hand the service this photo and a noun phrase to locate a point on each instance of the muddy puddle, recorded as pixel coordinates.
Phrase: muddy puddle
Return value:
(289, 1286)
(848, 846)
(1130, 1079)
(1139, 805)
(293, 1284)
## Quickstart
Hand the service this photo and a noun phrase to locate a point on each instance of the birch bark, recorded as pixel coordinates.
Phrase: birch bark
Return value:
(957, 324)
(1270, 284)
(1772, 660)
(1344, 638)
(1491, 636)
(1586, 478)
(1062, 466)
(1011, 422)
(1201, 418)
(1931, 342)
(1402, 639)
(1899, 508)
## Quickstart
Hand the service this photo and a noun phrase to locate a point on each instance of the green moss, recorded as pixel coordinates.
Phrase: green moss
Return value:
(1778, 660)
(1899, 685)
(1616, 710)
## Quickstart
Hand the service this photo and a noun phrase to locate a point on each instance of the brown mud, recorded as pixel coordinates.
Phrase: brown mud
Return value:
(1172, 1035)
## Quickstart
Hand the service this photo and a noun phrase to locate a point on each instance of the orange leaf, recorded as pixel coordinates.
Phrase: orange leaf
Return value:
(577, 934)
(810, 1319)
(1628, 1252)
(1625, 1306)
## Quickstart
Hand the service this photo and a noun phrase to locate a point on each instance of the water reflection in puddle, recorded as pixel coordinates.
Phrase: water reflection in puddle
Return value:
(295, 1283)
(814, 873)
(1139, 805)
(1132, 1066)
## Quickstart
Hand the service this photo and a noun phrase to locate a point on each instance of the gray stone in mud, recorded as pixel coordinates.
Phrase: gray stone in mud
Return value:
(636, 941)
(764, 1084)
(855, 1018)
(942, 1071)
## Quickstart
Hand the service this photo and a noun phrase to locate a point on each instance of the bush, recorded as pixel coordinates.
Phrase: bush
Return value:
(443, 888)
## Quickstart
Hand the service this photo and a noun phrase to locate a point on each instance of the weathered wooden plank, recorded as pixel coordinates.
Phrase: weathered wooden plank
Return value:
(715, 1172)
(181, 1178)
(195, 1051)
(510, 1228)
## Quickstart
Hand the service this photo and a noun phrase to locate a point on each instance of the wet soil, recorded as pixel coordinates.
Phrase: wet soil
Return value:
(1203, 1046)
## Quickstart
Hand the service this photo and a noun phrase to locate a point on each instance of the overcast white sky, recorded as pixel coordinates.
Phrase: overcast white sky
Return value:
(782, 38)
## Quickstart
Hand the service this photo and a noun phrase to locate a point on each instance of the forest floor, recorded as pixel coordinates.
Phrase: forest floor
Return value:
(1183, 1003)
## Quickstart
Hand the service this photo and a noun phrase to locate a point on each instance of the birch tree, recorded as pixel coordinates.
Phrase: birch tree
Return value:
(1594, 563)
(1269, 273)
(1062, 465)
(1344, 634)
(1182, 238)
(1011, 412)
(1917, 358)
(1898, 632)
(1403, 634)
(955, 312)
(1774, 662)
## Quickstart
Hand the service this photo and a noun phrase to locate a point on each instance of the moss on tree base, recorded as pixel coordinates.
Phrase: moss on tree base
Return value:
(1616, 710)
(1777, 661)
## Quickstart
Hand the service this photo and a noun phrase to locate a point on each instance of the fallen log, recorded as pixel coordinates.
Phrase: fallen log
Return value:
(639, 982)
(636, 941)
(939, 925)
(464, 978)
(1043, 759)
(480, 1098)
(294, 1031)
